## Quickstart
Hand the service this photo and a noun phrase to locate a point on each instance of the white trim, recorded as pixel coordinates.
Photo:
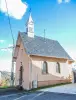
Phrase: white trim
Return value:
(50, 57)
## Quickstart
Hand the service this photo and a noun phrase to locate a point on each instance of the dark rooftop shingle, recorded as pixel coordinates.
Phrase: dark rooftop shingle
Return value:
(43, 47)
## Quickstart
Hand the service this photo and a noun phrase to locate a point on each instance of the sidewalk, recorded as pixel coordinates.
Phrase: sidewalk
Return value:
(68, 89)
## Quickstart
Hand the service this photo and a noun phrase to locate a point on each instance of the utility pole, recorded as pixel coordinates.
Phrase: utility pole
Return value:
(12, 68)
(44, 34)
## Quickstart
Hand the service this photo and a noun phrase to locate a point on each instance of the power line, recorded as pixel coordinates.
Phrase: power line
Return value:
(12, 68)
(9, 22)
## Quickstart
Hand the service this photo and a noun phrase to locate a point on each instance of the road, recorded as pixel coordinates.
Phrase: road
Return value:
(39, 96)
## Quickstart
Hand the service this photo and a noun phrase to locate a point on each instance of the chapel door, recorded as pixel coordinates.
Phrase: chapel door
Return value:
(21, 76)
(74, 77)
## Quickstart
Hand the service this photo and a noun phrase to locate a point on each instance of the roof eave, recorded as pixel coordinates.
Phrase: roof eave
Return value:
(52, 57)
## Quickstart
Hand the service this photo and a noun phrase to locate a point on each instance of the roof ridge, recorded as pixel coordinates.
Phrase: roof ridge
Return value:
(45, 38)
(39, 36)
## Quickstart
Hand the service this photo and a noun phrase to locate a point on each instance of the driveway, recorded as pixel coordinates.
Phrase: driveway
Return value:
(39, 96)
(64, 92)
(68, 89)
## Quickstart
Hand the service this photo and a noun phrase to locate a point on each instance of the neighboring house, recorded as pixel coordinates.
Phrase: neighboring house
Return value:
(5, 78)
(40, 61)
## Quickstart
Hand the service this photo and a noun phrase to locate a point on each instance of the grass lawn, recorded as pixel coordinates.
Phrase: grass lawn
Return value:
(6, 87)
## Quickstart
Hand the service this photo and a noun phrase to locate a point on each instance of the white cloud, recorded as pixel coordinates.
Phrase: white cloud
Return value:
(7, 50)
(3, 50)
(67, 1)
(71, 52)
(2, 41)
(5, 64)
(59, 1)
(10, 45)
(63, 1)
(16, 8)
(10, 50)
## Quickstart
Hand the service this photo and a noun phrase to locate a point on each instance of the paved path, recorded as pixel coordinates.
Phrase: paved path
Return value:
(11, 96)
(68, 89)
(65, 92)
(40, 96)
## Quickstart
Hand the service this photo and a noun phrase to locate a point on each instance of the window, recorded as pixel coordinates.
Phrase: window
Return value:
(30, 29)
(44, 68)
(57, 67)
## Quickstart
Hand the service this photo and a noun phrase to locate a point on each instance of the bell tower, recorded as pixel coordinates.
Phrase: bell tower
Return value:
(30, 27)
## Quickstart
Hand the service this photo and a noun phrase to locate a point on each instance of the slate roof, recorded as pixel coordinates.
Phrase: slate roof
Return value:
(43, 47)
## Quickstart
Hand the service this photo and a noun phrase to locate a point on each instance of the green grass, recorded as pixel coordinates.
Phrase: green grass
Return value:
(6, 87)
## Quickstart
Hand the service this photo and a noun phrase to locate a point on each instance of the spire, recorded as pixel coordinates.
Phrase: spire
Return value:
(30, 26)
(30, 18)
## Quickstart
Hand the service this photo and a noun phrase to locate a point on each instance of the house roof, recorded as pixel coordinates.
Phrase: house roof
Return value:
(43, 47)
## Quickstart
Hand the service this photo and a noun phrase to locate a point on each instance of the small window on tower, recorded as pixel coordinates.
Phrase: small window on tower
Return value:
(30, 29)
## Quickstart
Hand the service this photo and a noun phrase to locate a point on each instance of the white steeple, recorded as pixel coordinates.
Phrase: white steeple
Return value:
(30, 27)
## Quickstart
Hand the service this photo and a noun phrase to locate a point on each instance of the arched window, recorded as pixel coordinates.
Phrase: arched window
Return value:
(57, 67)
(44, 68)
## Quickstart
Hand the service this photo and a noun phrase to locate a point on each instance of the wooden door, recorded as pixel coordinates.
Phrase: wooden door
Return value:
(21, 76)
